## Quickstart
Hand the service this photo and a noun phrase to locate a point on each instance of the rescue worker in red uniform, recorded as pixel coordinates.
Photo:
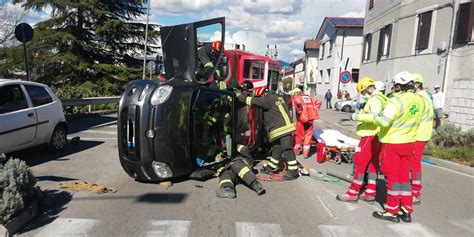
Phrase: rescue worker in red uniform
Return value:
(240, 168)
(368, 151)
(279, 129)
(306, 108)
(399, 122)
(423, 135)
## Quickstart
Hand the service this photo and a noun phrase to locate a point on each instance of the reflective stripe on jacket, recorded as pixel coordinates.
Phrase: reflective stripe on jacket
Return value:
(425, 130)
(374, 106)
(277, 121)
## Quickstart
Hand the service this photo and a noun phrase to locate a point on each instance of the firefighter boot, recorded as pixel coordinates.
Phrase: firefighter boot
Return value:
(346, 198)
(291, 175)
(257, 187)
(225, 192)
(367, 198)
(404, 215)
(416, 200)
(386, 216)
(266, 169)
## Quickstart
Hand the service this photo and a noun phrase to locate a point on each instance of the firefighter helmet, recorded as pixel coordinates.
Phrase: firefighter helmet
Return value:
(402, 78)
(216, 46)
(364, 83)
(247, 86)
(295, 91)
(417, 78)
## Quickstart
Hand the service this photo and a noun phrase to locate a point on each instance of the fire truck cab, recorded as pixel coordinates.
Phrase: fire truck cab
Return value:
(182, 126)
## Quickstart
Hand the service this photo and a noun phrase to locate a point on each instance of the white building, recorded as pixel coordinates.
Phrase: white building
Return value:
(341, 49)
(434, 38)
(311, 49)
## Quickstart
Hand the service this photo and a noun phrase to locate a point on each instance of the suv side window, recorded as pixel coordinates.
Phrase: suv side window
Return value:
(12, 99)
(38, 95)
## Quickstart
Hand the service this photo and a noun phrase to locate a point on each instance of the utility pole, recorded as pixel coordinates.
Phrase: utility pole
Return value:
(342, 58)
(305, 67)
(146, 39)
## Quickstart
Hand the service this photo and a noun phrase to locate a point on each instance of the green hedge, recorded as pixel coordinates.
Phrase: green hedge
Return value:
(86, 90)
(16, 187)
(450, 143)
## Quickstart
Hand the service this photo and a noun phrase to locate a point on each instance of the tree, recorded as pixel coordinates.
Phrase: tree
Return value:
(10, 16)
(91, 43)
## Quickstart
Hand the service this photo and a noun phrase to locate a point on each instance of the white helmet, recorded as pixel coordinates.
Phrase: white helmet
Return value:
(380, 86)
(402, 78)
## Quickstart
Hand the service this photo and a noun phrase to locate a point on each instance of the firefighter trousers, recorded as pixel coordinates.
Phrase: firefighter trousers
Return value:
(416, 168)
(395, 164)
(241, 168)
(283, 146)
(303, 135)
(365, 157)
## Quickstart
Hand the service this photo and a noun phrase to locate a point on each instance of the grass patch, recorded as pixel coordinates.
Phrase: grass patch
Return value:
(450, 143)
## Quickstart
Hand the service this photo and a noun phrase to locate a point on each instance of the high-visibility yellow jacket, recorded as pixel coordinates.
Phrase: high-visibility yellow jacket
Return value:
(425, 130)
(374, 105)
(400, 118)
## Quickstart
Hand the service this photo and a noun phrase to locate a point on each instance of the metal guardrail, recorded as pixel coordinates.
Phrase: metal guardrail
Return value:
(90, 101)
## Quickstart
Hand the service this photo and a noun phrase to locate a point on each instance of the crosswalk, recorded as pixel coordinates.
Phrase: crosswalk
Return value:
(75, 227)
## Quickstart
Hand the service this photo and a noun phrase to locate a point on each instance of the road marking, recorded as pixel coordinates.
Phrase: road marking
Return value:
(245, 229)
(68, 227)
(412, 229)
(450, 170)
(100, 139)
(165, 228)
(467, 225)
(340, 230)
(104, 124)
(326, 207)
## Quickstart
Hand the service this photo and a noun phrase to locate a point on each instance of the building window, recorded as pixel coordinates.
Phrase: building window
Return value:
(465, 23)
(328, 75)
(355, 75)
(322, 50)
(331, 45)
(321, 75)
(424, 28)
(371, 4)
(367, 47)
(384, 41)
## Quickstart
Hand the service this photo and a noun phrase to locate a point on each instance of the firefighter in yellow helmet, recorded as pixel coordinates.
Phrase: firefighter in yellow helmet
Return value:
(423, 135)
(399, 122)
(368, 150)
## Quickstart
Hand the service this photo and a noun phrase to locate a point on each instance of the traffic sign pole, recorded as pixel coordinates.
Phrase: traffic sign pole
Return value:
(27, 68)
(24, 33)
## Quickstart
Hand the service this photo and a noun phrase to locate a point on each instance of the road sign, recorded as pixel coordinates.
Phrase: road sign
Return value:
(23, 32)
(345, 77)
(346, 64)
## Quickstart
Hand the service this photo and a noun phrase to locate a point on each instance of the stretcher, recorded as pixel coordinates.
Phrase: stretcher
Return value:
(334, 146)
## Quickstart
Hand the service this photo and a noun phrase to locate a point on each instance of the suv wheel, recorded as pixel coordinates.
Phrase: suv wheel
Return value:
(346, 108)
(58, 139)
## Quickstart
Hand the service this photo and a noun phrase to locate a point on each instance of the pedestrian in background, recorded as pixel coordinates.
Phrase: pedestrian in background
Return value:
(427, 89)
(327, 98)
(438, 104)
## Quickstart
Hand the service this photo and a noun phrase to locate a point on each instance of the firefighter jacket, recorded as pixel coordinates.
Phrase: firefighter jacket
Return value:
(425, 130)
(306, 107)
(400, 118)
(374, 106)
(276, 116)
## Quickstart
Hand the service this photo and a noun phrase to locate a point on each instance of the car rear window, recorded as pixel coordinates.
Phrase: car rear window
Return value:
(12, 99)
(39, 95)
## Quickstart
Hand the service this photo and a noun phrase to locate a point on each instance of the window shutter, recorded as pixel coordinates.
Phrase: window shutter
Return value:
(371, 4)
(364, 46)
(369, 40)
(389, 37)
(463, 21)
(424, 27)
(381, 43)
(470, 28)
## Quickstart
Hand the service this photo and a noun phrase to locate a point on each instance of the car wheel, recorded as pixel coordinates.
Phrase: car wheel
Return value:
(58, 139)
(346, 108)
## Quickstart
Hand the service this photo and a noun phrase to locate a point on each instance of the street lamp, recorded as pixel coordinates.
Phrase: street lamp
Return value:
(146, 38)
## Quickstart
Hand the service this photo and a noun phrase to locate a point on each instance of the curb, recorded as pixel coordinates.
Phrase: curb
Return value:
(451, 165)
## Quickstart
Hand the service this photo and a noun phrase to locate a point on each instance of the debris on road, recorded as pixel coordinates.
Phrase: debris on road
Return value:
(339, 175)
(75, 140)
(198, 186)
(166, 184)
(321, 177)
(85, 186)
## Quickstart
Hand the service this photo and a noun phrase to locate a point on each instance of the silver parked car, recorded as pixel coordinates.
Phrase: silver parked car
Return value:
(346, 106)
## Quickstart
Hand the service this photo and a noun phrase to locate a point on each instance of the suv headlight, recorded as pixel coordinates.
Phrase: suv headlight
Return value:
(161, 94)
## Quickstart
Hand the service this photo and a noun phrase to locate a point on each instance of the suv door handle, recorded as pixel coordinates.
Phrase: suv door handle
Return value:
(31, 115)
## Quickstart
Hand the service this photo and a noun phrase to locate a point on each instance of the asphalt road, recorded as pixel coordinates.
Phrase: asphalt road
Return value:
(304, 207)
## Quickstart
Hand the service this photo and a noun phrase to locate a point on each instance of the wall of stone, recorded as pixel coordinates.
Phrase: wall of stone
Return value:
(461, 101)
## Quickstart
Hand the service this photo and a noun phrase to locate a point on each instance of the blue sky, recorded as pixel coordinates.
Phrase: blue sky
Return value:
(256, 23)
